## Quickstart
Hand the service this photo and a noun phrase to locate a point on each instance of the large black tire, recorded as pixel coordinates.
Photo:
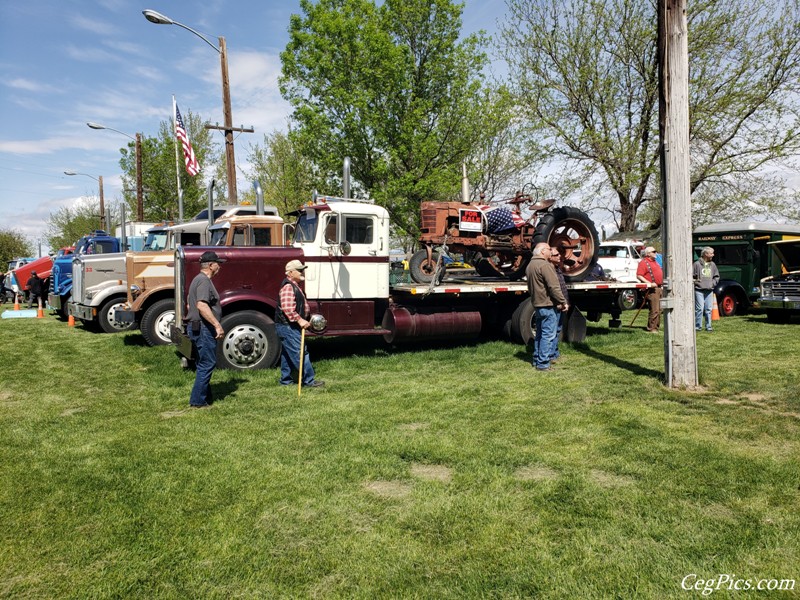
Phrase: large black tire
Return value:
(156, 322)
(250, 341)
(421, 268)
(107, 319)
(523, 323)
(567, 226)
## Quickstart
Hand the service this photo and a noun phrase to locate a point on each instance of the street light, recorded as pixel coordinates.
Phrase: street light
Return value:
(99, 180)
(138, 152)
(156, 17)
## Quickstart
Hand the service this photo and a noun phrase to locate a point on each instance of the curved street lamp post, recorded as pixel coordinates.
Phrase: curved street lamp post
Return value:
(138, 151)
(230, 161)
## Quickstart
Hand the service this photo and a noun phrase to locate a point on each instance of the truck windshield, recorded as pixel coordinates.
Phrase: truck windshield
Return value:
(218, 237)
(156, 240)
(306, 229)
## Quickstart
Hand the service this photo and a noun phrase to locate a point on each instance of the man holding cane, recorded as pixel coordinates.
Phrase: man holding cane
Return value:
(290, 321)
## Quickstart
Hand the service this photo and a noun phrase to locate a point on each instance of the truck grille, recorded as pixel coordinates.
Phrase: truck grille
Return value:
(785, 289)
(77, 283)
(428, 220)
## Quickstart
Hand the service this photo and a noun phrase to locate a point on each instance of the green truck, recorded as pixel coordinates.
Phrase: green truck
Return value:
(743, 259)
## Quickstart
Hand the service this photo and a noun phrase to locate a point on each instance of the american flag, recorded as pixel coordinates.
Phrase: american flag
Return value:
(501, 218)
(192, 167)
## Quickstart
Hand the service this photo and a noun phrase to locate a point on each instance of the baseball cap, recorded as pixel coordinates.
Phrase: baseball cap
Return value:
(211, 257)
(295, 265)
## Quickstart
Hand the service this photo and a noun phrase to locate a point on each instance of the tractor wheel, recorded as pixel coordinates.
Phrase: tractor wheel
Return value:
(572, 230)
(250, 341)
(421, 268)
(729, 304)
(156, 322)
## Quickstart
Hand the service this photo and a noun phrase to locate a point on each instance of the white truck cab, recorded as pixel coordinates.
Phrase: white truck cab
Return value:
(620, 259)
(346, 247)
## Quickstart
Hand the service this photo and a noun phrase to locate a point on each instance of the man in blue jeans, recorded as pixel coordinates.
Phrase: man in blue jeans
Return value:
(548, 301)
(290, 320)
(706, 277)
(203, 316)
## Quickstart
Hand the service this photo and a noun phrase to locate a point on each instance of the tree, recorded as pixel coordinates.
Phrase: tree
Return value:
(69, 223)
(587, 71)
(159, 175)
(13, 244)
(286, 176)
(393, 88)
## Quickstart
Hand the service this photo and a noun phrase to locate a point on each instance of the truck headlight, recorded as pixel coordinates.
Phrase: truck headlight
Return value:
(135, 290)
(89, 295)
(318, 322)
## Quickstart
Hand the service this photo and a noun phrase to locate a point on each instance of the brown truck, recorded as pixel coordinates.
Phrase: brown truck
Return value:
(151, 293)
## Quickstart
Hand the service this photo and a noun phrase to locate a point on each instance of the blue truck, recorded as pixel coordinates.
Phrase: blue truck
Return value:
(96, 242)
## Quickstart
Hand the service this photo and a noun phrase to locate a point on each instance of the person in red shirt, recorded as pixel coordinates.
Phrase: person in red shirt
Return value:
(649, 271)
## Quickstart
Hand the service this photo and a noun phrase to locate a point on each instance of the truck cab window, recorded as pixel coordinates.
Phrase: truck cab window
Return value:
(330, 229)
(190, 239)
(238, 236)
(358, 230)
(218, 237)
(262, 236)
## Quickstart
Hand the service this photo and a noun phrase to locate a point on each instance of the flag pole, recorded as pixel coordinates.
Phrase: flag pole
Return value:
(177, 159)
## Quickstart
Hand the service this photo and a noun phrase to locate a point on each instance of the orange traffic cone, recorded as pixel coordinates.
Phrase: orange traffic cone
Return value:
(71, 321)
(16, 301)
(40, 314)
(714, 309)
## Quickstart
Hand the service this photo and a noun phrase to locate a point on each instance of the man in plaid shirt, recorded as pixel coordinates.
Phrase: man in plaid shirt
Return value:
(290, 320)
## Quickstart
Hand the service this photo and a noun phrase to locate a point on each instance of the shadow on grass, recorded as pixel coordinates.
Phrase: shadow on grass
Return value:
(618, 362)
(223, 390)
(367, 346)
(135, 339)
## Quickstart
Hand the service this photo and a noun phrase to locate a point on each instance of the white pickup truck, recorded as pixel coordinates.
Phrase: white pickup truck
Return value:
(620, 258)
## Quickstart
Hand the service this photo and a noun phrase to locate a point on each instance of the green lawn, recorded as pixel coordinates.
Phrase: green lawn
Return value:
(423, 472)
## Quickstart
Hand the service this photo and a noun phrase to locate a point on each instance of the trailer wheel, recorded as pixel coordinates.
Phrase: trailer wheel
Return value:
(250, 341)
(107, 318)
(156, 322)
(627, 299)
(729, 304)
(566, 227)
(523, 323)
(421, 268)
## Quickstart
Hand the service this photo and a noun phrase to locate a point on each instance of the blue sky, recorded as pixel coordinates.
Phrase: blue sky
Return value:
(66, 62)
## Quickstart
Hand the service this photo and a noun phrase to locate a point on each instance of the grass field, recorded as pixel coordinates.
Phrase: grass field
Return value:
(423, 472)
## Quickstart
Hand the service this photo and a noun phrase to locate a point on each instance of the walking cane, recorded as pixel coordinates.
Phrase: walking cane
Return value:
(300, 374)
(644, 301)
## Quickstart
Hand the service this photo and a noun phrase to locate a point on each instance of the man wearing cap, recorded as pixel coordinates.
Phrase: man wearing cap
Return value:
(204, 313)
(547, 301)
(649, 271)
(290, 320)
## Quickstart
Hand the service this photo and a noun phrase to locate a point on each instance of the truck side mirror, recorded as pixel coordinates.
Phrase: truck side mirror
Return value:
(345, 247)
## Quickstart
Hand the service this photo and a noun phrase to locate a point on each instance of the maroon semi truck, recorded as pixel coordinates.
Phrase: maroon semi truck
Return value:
(346, 247)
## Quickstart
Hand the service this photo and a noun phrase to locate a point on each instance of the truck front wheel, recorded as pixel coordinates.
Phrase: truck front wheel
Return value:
(156, 322)
(729, 304)
(107, 318)
(250, 341)
(422, 269)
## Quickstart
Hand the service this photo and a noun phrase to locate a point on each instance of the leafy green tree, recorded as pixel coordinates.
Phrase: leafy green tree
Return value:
(394, 88)
(69, 223)
(13, 244)
(286, 176)
(158, 171)
(587, 75)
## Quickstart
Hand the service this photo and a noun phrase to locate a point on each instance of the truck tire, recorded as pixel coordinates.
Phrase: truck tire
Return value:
(729, 304)
(106, 316)
(421, 268)
(250, 341)
(156, 322)
(567, 226)
(523, 323)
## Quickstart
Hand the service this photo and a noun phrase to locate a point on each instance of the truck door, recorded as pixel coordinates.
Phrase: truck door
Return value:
(356, 265)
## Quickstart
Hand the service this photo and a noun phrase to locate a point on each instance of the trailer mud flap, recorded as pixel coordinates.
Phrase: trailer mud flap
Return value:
(575, 330)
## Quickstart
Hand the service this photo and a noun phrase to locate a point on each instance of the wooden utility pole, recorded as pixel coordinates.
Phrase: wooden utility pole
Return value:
(680, 352)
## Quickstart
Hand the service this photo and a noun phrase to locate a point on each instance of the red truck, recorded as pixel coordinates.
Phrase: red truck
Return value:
(43, 266)
(345, 244)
